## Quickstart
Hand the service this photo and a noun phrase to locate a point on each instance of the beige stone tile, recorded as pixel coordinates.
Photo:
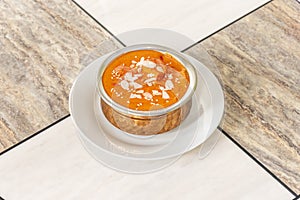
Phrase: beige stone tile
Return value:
(258, 58)
(43, 47)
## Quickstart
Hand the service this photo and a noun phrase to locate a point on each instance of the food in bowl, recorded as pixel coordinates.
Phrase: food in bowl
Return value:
(146, 89)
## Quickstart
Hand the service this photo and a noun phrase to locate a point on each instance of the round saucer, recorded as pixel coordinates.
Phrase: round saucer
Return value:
(108, 149)
(193, 131)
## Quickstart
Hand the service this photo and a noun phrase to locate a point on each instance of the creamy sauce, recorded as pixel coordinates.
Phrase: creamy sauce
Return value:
(145, 80)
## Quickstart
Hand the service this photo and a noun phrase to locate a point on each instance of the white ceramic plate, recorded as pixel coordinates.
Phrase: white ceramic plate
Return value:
(209, 101)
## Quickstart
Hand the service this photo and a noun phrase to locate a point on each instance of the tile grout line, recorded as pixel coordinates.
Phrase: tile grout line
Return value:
(245, 15)
(258, 162)
(33, 135)
(101, 25)
(297, 197)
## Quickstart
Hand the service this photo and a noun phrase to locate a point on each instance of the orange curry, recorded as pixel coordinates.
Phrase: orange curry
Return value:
(145, 80)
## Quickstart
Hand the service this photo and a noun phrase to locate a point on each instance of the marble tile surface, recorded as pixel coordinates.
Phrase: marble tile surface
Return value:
(54, 165)
(43, 47)
(193, 18)
(258, 58)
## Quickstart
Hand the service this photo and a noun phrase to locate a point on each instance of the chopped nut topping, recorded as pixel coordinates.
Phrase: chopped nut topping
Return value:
(169, 85)
(150, 80)
(133, 96)
(146, 63)
(165, 95)
(156, 92)
(140, 91)
(160, 69)
(150, 75)
(145, 79)
(147, 96)
(136, 85)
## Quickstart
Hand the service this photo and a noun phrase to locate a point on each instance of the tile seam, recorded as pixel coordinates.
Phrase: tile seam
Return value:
(298, 196)
(34, 134)
(258, 162)
(224, 27)
(101, 25)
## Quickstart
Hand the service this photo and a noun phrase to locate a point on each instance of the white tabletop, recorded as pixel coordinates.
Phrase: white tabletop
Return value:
(54, 165)
(195, 19)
